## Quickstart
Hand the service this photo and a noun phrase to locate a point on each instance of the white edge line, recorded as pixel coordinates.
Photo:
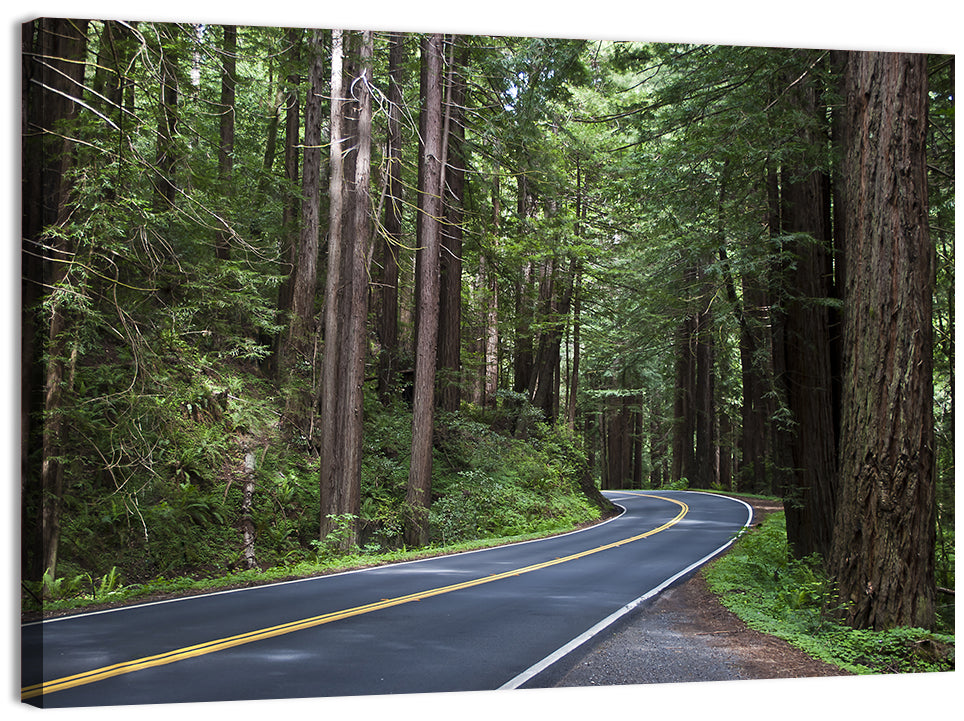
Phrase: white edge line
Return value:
(307, 579)
(575, 643)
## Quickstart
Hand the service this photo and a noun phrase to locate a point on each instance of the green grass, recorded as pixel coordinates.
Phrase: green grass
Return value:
(86, 593)
(793, 600)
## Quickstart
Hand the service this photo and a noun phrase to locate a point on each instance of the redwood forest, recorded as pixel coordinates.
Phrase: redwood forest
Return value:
(301, 299)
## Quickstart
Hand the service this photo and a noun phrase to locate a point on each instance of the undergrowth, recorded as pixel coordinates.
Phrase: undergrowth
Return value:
(172, 525)
(794, 600)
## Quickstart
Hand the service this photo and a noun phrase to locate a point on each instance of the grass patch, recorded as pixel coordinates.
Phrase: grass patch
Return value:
(794, 600)
(87, 593)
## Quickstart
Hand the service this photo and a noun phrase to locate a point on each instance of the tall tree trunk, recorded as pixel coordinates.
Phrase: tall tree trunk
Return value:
(167, 122)
(452, 192)
(780, 435)
(306, 266)
(419, 491)
(706, 474)
(490, 281)
(523, 352)
(684, 414)
(388, 255)
(229, 55)
(55, 62)
(291, 202)
(809, 500)
(807, 380)
(329, 406)
(883, 548)
(346, 298)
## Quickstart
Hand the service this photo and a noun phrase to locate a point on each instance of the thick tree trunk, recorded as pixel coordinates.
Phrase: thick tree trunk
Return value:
(809, 501)
(346, 302)
(419, 491)
(56, 54)
(883, 549)
(330, 401)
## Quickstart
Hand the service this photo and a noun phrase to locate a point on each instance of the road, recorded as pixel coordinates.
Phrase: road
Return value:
(470, 621)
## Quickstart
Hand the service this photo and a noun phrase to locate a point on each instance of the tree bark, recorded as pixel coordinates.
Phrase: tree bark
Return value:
(346, 298)
(306, 266)
(452, 192)
(167, 124)
(55, 62)
(684, 416)
(388, 257)
(883, 549)
(229, 54)
(418, 494)
(706, 470)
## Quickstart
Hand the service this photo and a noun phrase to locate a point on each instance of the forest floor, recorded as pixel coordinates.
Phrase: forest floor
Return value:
(685, 634)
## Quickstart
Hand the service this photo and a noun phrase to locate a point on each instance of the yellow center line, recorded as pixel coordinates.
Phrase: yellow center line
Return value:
(201, 649)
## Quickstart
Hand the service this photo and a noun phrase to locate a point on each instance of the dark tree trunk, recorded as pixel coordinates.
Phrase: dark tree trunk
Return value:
(54, 66)
(883, 549)
(684, 401)
(306, 266)
(418, 494)
(452, 191)
(389, 248)
(167, 124)
(808, 379)
(706, 474)
(291, 202)
(229, 55)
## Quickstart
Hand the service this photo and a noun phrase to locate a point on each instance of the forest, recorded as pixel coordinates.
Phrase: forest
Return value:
(292, 294)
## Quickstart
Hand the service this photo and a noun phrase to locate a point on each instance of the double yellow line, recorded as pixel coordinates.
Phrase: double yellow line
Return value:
(201, 649)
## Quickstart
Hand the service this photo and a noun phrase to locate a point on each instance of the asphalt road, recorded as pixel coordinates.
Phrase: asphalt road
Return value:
(481, 620)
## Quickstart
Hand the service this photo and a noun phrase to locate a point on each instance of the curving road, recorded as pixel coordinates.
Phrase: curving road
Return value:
(471, 621)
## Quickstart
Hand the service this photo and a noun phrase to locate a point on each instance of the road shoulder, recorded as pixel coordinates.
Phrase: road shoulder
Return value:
(685, 635)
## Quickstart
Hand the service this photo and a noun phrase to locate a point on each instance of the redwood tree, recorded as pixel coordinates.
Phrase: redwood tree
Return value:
(418, 495)
(883, 548)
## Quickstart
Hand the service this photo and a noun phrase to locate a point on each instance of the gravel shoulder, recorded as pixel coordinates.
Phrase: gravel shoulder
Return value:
(684, 635)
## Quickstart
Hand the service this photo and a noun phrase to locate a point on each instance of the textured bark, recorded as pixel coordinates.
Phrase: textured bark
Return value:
(544, 380)
(248, 534)
(707, 473)
(452, 192)
(809, 500)
(55, 62)
(306, 265)
(229, 54)
(418, 493)
(167, 126)
(684, 408)
(883, 551)
(388, 256)
(330, 400)
(346, 302)
(291, 204)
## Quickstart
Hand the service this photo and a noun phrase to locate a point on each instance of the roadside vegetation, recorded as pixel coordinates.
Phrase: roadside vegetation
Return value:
(794, 599)
(179, 528)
